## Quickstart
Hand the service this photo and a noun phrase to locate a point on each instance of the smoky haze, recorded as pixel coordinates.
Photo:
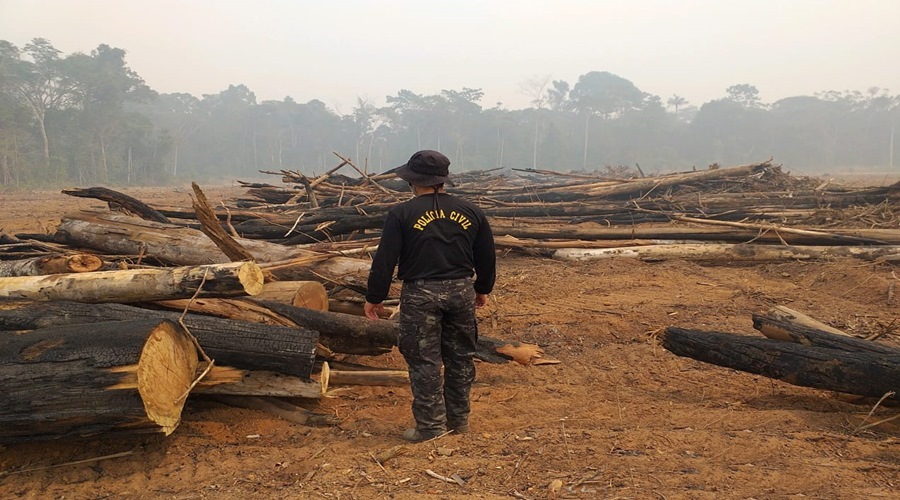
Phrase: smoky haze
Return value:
(166, 91)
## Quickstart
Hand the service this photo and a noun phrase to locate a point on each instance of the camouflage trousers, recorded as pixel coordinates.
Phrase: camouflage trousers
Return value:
(438, 328)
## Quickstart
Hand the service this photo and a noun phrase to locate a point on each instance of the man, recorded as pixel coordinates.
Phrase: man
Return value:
(440, 241)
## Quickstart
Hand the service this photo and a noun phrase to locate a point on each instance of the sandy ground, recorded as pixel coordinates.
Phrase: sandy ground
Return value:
(619, 418)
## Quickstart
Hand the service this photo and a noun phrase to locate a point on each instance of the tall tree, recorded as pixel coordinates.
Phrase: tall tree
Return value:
(463, 110)
(41, 82)
(105, 84)
(536, 89)
(600, 93)
(744, 94)
(676, 101)
(558, 95)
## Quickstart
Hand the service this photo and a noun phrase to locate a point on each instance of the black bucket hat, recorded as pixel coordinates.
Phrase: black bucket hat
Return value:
(425, 168)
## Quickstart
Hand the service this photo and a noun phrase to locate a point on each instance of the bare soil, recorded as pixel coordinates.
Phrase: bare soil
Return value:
(619, 418)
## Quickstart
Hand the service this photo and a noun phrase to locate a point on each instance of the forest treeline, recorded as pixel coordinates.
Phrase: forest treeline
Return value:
(90, 119)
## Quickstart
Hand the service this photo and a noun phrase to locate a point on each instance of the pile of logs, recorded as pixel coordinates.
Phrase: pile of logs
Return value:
(140, 306)
(111, 323)
(752, 212)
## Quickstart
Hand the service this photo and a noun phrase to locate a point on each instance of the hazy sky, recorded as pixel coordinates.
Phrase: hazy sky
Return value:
(343, 49)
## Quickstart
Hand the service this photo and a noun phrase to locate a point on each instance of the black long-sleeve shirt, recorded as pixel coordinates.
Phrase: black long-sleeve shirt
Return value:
(433, 236)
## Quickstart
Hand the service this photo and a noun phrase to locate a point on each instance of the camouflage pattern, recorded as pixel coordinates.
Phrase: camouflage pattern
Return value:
(438, 327)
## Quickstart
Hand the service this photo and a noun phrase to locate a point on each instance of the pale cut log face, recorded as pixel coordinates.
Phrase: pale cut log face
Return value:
(165, 372)
(251, 276)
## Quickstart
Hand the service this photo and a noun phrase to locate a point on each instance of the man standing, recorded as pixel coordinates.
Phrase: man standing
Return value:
(440, 242)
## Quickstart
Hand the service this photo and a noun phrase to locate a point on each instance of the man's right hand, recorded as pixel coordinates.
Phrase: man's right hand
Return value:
(373, 311)
(480, 300)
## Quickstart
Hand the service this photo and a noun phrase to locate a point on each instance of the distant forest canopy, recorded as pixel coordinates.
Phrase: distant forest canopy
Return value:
(90, 119)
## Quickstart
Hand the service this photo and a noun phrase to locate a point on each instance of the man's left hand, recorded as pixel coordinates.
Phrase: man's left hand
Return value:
(480, 300)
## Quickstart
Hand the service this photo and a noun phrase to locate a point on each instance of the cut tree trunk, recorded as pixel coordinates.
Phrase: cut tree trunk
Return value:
(736, 235)
(351, 334)
(116, 199)
(860, 373)
(78, 380)
(122, 235)
(278, 408)
(138, 285)
(51, 264)
(728, 253)
(394, 378)
(212, 228)
(339, 332)
(648, 184)
(236, 382)
(778, 329)
(798, 318)
(172, 244)
(233, 309)
(308, 294)
(249, 346)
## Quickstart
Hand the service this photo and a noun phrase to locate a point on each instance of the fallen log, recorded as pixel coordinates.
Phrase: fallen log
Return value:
(793, 317)
(340, 332)
(51, 264)
(395, 378)
(860, 373)
(138, 285)
(646, 185)
(233, 309)
(782, 230)
(172, 244)
(116, 199)
(281, 409)
(103, 377)
(211, 227)
(308, 294)
(786, 331)
(236, 382)
(355, 308)
(309, 228)
(351, 334)
(249, 346)
(740, 234)
(728, 253)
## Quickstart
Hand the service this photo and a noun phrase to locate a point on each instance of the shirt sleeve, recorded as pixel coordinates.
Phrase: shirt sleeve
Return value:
(385, 260)
(485, 258)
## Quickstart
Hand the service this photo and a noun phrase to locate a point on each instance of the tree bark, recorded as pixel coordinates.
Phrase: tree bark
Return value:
(213, 229)
(236, 382)
(117, 234)
(138, 285)
(860, 373)
(797, 318)
(117, 199)
(249, 346)
(278, 408)
(648, 184)
(308, 294)
(395, 378)
(348, 333)
(787, 331)
(727, 253)
(339, 332)
(834, 237)
(51, 264)
(79, 380)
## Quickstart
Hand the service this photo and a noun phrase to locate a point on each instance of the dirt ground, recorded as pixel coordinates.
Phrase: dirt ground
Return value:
(620, 417)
